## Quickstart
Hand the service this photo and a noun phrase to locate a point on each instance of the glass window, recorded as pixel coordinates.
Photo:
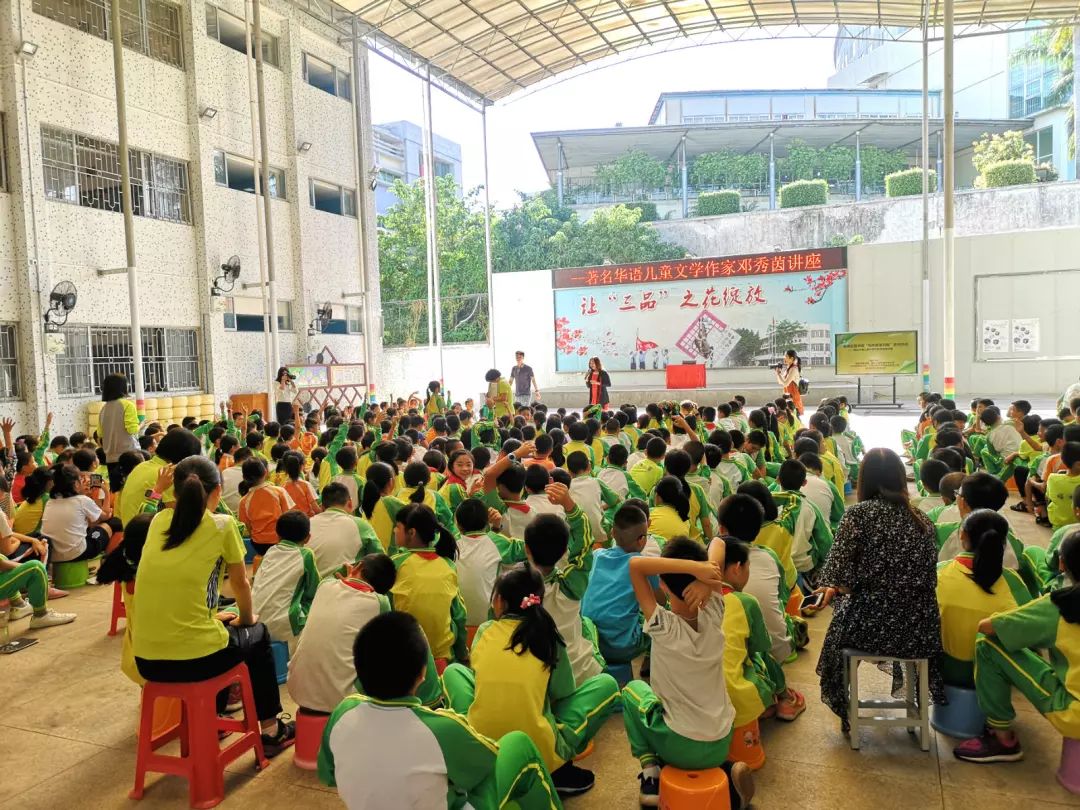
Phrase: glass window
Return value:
(9, 362)
(332, 199)
(284, 316)
(1042, 142)
(354, 320)
(85, 171)
(238, 173)
(838, 106)
(329, 79)
(151, 27)
(879, 105)
(748, 108)
(246, 315)
(171, 358)
(229, 31)
(787, 108)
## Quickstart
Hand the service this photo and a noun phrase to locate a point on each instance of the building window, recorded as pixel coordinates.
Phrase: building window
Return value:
(85, 171)
(1031, 79)
(238, 173)
(246, 315)
(9, 362)
(354, 320)
(151, 27)
(333, 199)
(326, 77)
(1042, 141)
(171, 359)
(228, 29)
(444, 168)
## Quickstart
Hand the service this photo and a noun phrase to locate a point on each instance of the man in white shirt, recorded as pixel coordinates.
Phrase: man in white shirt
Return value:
(338, 537)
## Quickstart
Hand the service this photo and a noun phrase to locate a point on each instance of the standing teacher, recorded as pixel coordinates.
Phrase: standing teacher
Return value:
(597, 381)
(285, 394)
(524, 380)
(788, 374)
(119, 426)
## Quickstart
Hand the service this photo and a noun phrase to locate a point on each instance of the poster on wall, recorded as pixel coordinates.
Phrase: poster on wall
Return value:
(995, 336)
(1025, 335)
(723, 312)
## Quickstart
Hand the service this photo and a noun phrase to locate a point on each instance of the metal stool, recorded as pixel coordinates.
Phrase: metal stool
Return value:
(916, 713)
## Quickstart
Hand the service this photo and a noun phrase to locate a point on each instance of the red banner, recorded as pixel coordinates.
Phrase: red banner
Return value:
(756, 264)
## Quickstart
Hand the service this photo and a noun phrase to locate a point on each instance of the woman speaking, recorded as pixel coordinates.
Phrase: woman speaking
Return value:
(285, 392)
(597, 381)
(788, 375)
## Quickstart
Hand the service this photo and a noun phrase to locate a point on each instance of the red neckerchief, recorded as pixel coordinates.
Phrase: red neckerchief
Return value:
(452, 478)
(725, 589)
(524, 508)
(966, 560)
(358, 585)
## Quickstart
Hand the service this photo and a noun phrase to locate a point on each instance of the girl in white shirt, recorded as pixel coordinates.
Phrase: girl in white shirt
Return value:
(74, 526)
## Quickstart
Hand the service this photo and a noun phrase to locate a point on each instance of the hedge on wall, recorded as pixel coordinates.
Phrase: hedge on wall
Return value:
(1009, 173)
(804, 192)
(714, 203)
(908, 183)
(647, 209)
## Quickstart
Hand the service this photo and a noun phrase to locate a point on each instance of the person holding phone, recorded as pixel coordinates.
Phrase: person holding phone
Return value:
(285, 395)
(179, 635)
(788, 374)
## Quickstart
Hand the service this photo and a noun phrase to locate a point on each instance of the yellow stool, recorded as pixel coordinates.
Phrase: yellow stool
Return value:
(694, 790)
(746, 746)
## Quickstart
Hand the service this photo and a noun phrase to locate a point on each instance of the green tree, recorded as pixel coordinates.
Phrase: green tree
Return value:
(635, 172)
(749, 346)
(801, 163)
(996, 148)
(403, 265)
(877, 162)
(784, 335)
(837, 163)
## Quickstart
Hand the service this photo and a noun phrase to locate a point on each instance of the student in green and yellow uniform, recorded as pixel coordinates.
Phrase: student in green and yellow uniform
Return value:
(777, 531)
(462, 481)
(812, 535)
(648, 472)
(1060, 487)
(579, 441)
(971, 587)
(755, 680)
(435, 403)
(35, 493)
(1047, 562)
(417, 477)
(669, 513)
(678, 463)
(1005, 657)
(390, 747)
(379, 505)
(174, 447)
(500, 398)
(523, 681)
(427, 583)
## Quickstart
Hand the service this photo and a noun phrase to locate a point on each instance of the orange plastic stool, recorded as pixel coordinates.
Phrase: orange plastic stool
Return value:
(746, 746)
(694, 790)
(587, 752)
(118, 610)
(309, 733)
(202, 761)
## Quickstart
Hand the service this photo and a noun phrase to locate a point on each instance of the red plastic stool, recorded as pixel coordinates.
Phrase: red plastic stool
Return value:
(202, 761)
(746, 746)
(470, 634)
(309, 733)
(119, 611)
(694, 790)
(441, 664)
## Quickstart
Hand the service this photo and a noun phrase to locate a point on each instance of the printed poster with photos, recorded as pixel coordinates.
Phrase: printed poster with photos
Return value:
(995, 336)
(1025, 335)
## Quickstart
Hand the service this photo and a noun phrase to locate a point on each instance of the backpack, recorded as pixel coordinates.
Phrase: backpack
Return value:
(804, 385)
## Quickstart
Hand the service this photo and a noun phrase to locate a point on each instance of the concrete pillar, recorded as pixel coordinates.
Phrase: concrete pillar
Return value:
(772, 175)
(858, 170)
(559, 185)
(682, 176)
(949, 227)
(924, 163)
(940, 167)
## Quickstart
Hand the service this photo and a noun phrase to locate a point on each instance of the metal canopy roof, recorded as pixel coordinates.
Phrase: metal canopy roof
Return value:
(496, 47)
(585, 148)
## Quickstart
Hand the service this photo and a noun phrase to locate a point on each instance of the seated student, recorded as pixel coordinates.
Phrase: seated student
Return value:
(1031, 447)
(74, 526)
(683, 717)
(261, 504)
(482, 552)
(979, 491)
(754, 449)
(812, 536)
(378, 503)
(1059, 487)
(395, 752)
(640, 447)
(591, 494)
(427, 583)
(777, 529)
(338, 536)
(679, 464)
(544, 448)
(971, 587)
(537, 480)
(561, 550)
(670, 515)
(731, 465)
(321, 669)
(286, 580)
(613, 435)
(121, 565)
(930, 474)
(609, 599)
(831, 466)
(462, 480)
(615, 477)
(1047, 561)
(848, 445)
(821, 492)
(648, 472)
(755, 680)
(1035, 486)
(523, 680)
(1002, 442)
(417, 480)
(231, 478)
(740, 516)
(948, 512)
(579, 440)
(723, 417)
(345, 460)
(504, 485)
(719, 487)
(1006, 657)
(31, 576)
(296, 485)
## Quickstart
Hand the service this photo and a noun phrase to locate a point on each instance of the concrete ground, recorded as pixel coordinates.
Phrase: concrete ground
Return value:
(69, 734)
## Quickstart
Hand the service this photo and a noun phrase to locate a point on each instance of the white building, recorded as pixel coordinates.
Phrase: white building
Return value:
(399, 155)
(192, 191)
(813, 344)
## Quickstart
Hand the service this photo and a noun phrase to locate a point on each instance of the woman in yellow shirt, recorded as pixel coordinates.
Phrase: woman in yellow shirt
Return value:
(670, 517)
(523, 681)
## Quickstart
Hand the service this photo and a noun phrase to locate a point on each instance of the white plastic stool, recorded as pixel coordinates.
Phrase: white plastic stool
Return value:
(916, 712)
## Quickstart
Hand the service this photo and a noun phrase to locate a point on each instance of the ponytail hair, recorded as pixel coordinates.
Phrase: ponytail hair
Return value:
(1067, 600)
(673, 493)
(986, 531)
(794, 355)
(254, 471)
(122, 562)
(522, 591)
(422, 520)
(317, 456)
(293, 465)
(193, 481)
(417, 474)
(379, 475)
(227, 445)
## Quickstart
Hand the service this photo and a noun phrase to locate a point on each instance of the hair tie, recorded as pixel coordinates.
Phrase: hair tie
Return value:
(532, 600)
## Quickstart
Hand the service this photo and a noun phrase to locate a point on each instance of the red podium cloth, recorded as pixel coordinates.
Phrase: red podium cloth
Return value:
(686, 376)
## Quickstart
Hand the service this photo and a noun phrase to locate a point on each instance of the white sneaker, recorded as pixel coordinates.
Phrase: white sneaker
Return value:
(51, 619)
(20, 611)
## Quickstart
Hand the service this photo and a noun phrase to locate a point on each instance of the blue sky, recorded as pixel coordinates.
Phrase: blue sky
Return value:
(624, 92)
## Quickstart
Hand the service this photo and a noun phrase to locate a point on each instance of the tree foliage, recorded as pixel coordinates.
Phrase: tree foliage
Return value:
(727, 169)
(1054, 46)
(636, 171)
(996, 148)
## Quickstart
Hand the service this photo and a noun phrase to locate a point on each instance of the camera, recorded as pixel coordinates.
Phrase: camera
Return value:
(777, 366)
(291, 376)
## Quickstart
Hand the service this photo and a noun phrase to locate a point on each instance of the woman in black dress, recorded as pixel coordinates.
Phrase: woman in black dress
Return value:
(882, 571)
(597, 381)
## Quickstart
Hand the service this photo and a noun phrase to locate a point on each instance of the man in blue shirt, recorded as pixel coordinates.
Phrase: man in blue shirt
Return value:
(609, 600)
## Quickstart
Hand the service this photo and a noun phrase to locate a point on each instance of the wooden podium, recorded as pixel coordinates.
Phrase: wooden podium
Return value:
(691, 375)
